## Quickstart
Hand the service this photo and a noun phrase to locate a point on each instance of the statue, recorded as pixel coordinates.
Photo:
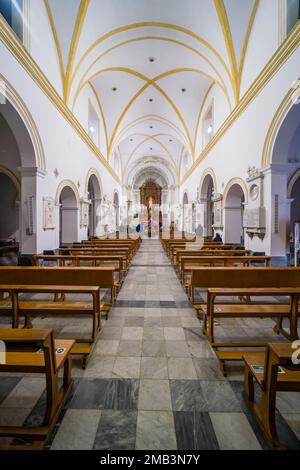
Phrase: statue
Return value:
(49, 213)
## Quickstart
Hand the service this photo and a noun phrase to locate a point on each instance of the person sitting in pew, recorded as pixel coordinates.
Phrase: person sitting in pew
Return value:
(218, 238)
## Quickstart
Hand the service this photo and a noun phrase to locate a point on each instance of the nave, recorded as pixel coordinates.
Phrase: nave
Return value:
(153, 381)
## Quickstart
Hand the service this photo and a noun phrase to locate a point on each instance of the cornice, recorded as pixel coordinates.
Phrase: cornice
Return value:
(16, 48)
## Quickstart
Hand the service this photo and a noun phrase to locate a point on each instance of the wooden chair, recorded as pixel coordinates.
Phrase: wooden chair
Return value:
(36, 352)
(274, 371)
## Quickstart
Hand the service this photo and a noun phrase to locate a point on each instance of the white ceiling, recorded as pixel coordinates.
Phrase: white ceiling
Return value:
(196, 44)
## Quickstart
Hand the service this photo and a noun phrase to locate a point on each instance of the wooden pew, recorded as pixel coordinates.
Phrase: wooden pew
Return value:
(277, 355)
(178, 254)
(216, 249)
(242, 278)
(132, 244)
(87, 251)
(34, 307)
(35, 352)
(119, 263)
(187, 263)
(258, 309)
(172, 248)
(65, 276)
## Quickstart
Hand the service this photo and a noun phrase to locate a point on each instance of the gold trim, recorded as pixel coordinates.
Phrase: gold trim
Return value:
(102, 115)
(26, 27)
(207, 172)
(149, 82)
(281, 21)
(240, 182)
(7, 172)
(282, 54)
(211, 107)
(93, 172)
(56, 41)
(144, 38)
(295, 176)
(153, 117)
(67, 183)
(82, 11)
(246, 41)
(200, 113)
(150, 137)
(156, 25)
(21, 108)
(277, 120)
(180, 160)
(223, 19)
(11, 42)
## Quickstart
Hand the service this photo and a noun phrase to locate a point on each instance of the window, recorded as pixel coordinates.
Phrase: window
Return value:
(292, 14)
(94, 126)
(208, 125)
(12, 11)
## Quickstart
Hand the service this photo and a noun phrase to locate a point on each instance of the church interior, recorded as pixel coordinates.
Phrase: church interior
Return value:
(149, 225)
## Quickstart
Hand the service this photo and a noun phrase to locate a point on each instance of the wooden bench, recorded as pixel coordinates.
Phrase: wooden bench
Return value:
(255, 309)
(132, 244)
(187, 263)
(178, 254)
(36, 352)
(195, 247)
(17, 307)
(87, 251)
(65, 276)
(270, 381)
(119, 263)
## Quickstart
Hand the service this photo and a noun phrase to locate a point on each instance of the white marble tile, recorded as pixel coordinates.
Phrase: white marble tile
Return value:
(154, 395)
(155, 431)
(234, 432)
(127, 367)
(83, 425)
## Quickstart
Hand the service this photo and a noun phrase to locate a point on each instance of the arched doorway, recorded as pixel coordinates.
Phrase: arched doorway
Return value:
(94, 195)
(295, 203)
(151, 199)
(281, 150)
(117, 210)
(68, 216)
(9, 205)
(233, 214)
(206, 198)
(22, 161)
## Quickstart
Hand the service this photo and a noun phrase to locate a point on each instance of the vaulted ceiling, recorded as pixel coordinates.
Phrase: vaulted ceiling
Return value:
(151, 65)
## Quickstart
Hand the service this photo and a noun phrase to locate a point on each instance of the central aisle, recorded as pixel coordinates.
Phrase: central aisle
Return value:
(153, 381)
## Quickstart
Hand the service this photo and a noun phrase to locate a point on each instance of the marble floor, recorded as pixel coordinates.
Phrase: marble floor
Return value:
(153, 382)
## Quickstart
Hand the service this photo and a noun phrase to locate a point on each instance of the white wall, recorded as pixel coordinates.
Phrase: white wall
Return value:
(64, 150)
(42, 46)
(242, 146)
